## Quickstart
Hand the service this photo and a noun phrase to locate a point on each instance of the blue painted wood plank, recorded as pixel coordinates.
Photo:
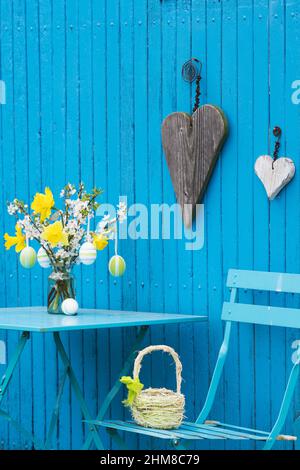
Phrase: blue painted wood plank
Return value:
(245, 178)
(143, 283)
(4, 428)
(100, 169)
(35, 168)
(185, 100)
(72, 160)
(87, 362)
(12, 272)
(200, 294)
(142, 111)
(6, 124)
(10, 262)
(140, 177)
(261, 204)
(73, 175)
(48, 176)
(113, 169)
(46, 71)
(155, 187)
(290, 148)
(91, 180)
(231, 175)
(59, 105)
(129, 79)
(169, 104)
(277, 209)
(213, 200)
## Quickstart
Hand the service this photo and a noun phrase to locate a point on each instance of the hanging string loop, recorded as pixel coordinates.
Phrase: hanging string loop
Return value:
(191, 72)
(277, 133)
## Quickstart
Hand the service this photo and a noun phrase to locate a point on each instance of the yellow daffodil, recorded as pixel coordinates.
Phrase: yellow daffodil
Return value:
(54, 234)
(19, 240)
(100, 242)
(43, 203)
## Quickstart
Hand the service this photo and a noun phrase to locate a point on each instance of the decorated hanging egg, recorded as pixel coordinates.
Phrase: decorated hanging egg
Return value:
(117, 266)
(28, 257)
(70, 306)
(87, 253)
(43, 258)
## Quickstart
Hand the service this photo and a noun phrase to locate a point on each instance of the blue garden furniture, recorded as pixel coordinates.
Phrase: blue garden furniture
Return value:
(233, 312)
(36, 320)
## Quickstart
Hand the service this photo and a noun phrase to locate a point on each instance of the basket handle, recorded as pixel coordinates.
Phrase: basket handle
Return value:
(150, 349)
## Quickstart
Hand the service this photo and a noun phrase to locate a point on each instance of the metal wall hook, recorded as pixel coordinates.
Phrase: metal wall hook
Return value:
(277, 133)
(191, 70)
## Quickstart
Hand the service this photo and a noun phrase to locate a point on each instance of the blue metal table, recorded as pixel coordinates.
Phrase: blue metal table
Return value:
(37, 320)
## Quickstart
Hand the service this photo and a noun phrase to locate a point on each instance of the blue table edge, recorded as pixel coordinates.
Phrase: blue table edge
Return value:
(166, 318)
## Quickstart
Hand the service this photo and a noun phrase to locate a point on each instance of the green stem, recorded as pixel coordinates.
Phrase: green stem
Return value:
(61, 290)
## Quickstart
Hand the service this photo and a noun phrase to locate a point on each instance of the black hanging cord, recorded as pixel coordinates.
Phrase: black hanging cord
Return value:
(191, 71)
(277, 133)
(198, 94)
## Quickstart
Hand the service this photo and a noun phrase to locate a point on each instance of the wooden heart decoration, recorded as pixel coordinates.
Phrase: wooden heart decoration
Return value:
(274, 175)
(192, 145)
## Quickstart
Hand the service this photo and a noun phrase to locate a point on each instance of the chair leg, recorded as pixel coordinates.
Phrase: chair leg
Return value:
(285, 405)
(178, 444)
(297, 432)
(117, 439)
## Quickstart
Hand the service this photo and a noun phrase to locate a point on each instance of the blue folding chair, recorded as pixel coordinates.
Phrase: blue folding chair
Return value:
(234, 312)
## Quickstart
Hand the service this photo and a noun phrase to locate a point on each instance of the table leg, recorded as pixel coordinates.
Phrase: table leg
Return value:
(76, 388)
(116, 387)
(38, 445)
(55, 412)
(68, 372)
(12, 364)
(115, 436)
(4, 384)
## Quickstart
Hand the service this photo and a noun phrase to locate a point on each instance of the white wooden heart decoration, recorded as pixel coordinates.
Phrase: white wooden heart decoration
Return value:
(274, 175)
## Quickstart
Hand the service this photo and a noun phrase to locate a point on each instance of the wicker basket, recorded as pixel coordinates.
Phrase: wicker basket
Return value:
(158, 407)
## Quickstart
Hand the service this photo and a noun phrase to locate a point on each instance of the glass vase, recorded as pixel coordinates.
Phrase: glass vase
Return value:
(61, 286)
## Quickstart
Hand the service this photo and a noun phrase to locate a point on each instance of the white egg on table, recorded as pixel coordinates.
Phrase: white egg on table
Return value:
(70, 306)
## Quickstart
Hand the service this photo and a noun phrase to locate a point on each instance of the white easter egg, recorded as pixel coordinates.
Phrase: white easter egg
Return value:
(28, 257)
(43, 258)
(70, 306)
(87, 253)
(117, 266)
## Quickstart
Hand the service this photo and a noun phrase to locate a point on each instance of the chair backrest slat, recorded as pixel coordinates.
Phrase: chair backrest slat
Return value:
(261, 314)
(260, 280)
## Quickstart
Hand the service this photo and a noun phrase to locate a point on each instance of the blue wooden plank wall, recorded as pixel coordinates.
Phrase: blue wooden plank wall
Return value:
(88, 84)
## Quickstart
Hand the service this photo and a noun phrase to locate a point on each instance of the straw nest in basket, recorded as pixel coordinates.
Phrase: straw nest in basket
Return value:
(155, 407)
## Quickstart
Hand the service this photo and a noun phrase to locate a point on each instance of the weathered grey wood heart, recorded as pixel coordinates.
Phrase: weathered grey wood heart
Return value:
(192, 145)
(274, 175)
